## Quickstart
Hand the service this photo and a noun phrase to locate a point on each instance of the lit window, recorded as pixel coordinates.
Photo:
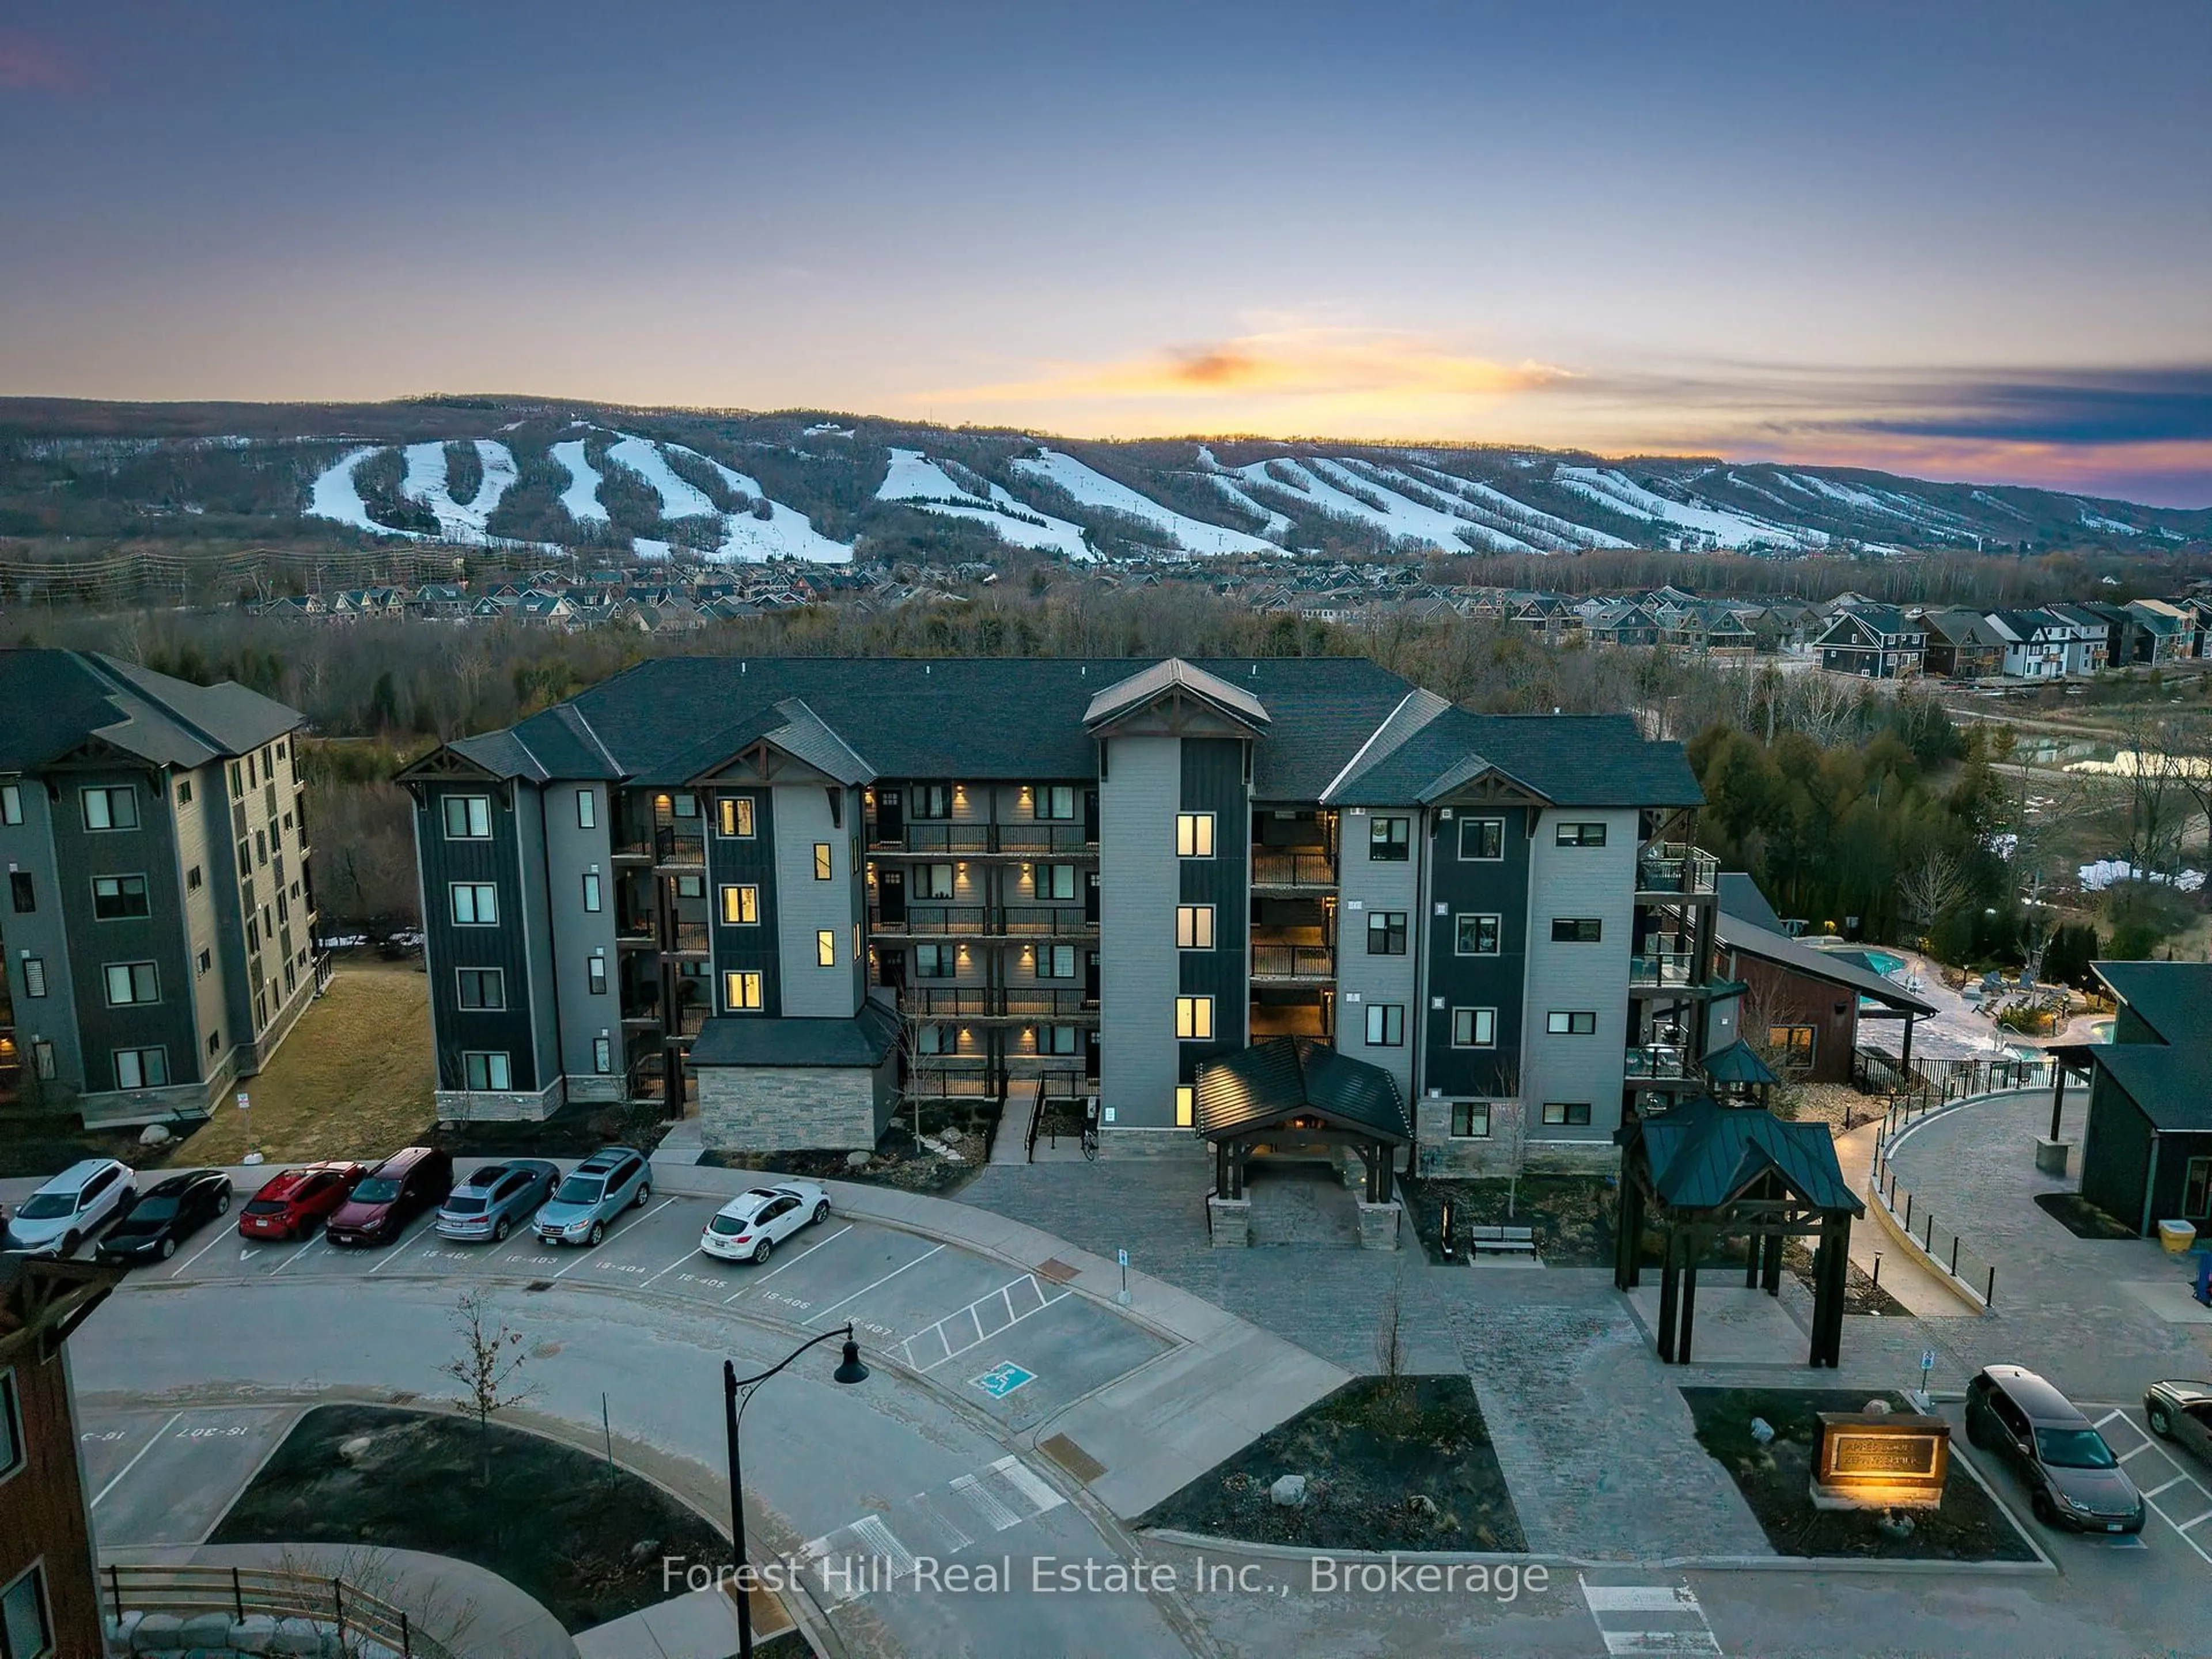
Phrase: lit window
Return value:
(741, 991)
(1389, 841)
(825, 948)
(1193, 927)
(142, 1069)
(1470, 1120)
(116, 897)
(1474, 1028)
(1477, 936)
(1579, 835)
(1186, 1105)
(1195, 835)
(1482, 840)
(741, 906)
(483, 988)
(593, 898)
(1570, 1113)
(476, 903)
(1194, 1019)
(1576, 930)
(468, 817)
(822, 867)
(1563, 1022)
(129, 982)
(487, 1070)
(1386, 1025)
(111, 809)
(734, 816)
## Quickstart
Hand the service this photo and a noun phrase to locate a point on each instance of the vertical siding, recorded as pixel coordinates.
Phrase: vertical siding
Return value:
(42, 1507)
(1139, 880)
(1579, 881)
(2116, 1151)
(1459, 887)
(1212, 780)
(212, 992)
(805, 905)
(745, 861)
(575, 933)
(28, 848)
(447, 948)
(1364, 887)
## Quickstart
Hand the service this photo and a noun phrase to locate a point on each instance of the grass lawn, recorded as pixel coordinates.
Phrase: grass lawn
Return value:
(1775, 1480)
(353, 1078)
(1406, 1466)
(585, 1542)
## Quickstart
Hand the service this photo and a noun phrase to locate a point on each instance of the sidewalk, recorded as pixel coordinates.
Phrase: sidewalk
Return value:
(1901, 1274)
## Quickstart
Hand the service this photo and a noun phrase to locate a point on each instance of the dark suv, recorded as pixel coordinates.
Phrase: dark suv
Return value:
(2073, 1479)
(383, 1202)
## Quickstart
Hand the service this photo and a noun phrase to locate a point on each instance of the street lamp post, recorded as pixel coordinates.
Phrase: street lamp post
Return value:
(849, 1371)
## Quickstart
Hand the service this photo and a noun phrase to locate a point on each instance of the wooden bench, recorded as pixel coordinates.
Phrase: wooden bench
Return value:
(1502, 1240)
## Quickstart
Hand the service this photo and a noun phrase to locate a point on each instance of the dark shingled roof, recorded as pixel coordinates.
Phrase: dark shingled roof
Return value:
(1740, 897)
(1283, 1076)
(1703, 1154)
(1833, 968)
(1569, 760)
(739, 1040)
(50, 701)
(2170, 1081)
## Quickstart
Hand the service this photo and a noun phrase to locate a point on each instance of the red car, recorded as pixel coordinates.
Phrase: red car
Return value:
(289, 1205)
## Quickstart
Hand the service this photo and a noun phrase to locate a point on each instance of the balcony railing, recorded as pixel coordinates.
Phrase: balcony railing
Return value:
(1293, 962)
(1661, 1061)
(1034, 840)
(982, 1001)
(687, 939)
(679, 847)
(1314, 870)
(1661, 967)
(1676, 867)
(1045, 921)
(922, 920)
(632, 845)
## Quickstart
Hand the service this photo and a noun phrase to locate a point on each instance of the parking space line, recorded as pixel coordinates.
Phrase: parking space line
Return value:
(2137, 1452)
(305, 1247)
(674, 1265)
(2184, 1526)
(221, 1235)
(2167, 1486)
(975, 1312)
(2148, 1442)
(400, 1246)
(589, 1250)
(159, 1434)
(885, 1279)
(791, 1261)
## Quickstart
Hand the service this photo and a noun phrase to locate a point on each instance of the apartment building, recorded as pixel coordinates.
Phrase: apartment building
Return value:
(158, 924)
(796, 890)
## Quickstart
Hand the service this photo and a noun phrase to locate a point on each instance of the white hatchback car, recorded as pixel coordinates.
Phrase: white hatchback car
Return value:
(71, 1207)
(750, 1225)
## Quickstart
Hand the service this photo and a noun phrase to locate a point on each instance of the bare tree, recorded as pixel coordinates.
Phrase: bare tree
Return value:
(1766, 1008)
(488, 1367)
(1929, 888)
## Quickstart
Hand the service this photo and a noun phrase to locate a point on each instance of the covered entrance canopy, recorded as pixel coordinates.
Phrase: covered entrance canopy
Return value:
(1295, 1091)
(1702, 1171)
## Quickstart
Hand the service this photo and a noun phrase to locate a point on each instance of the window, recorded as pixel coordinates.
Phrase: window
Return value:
(1563, 1022)
(1193, 927)
(1186, 1105)
(20, 891)
(482, 988)
(734, 816)
(1482, 839)
(26, 1631)
(1474, 1028)
(932, 962)
(214, 1040)
(595, 975)
(684, 806)
(1055, 881)
(1195, 835)
(1386, 1025)
(142, 1069)
(253, 933)
(206, 961)
(690, 886)
(1389, 841)
(1477, 936)
(468, 817)
(476, 903)
(245, 859)
(825, 948)
(603, 1055)
(111, 809)
(929, 800)
(822, 867)
(129, 982)
(11, 1427)
(593, 898)
(34, 976)
(1470, 1120)
(486, 1070)
(932, 881)
(1056, 962)
(185, 792)
(936, 1039)
(237, 781)
(1572, 1114)
(1579, 835)
(2197, 1189)
(1194, 1019)
(1056, 1040)
(587, 809)
(192, 881)
(1385, 932)
(11, 803)
(1576, 930)
(1054, 801)
(741, 991)
(116, 897)
(261, 845)
(1792, 1044)
(741, 906)
(42, 1058)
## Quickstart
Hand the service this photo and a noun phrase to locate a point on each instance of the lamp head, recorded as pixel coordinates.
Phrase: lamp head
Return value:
(850, 1370)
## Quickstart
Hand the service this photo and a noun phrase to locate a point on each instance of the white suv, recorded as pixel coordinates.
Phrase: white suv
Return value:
(71, 1207)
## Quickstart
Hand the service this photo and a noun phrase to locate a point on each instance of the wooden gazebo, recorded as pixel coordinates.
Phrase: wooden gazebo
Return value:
(1705, 1171)
(1286, 1091)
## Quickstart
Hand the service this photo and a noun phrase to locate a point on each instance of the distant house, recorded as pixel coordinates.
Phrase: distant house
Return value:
(295, 605)
(1622, 624)
(2163, 632)
(441, 601)
(2147, 1154)
(2035, 643)
(1962, 645)
(2087, 637)
(1874, 641)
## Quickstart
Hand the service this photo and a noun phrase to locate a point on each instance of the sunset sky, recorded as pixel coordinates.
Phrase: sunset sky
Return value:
(1958, 240)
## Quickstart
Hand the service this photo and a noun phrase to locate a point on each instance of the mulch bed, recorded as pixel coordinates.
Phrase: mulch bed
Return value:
(2083, 1218)
(897, 1161)
(574, 1131)
(1571, 1214)
(1774, 1480)
(585, 1541)
(1404, 1465)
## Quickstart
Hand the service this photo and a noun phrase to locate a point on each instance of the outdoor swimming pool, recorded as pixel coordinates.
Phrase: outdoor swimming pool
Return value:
(1884, 963)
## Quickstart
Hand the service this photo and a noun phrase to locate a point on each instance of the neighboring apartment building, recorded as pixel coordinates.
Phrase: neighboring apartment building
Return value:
(159, 923)
(813, 884)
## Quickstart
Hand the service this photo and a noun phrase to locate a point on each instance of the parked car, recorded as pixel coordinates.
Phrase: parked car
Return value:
(412, 1180)
(495, 1198)
(2073, 1480)
(290, 1205)
(71, 1207)
(2181, 1411)
(750, 1225)
(166, 1214)
(593, 1194)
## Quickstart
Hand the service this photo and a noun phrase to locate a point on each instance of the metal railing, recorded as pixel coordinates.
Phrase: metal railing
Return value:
(1293, 869)
(1932, 1085)
(1046, 921)
(1661, 967)
(923, 919)
(1656, 1060)
(679, 847)
(244, 1592)
(942, 1001)
(687, 936)
(1303, 962)
(935, 836)
(1676, 867)
(1973, 1272)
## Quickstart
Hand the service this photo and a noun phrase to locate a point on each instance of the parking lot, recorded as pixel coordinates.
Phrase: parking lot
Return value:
(166, 1477)
(1012, 1343)
(2176, 1487)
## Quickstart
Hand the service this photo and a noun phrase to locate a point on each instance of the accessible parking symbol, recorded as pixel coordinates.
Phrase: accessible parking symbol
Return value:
(1003, 1379)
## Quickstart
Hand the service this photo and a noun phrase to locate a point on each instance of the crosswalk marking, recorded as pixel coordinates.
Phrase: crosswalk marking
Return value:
(869, 1554)
(1026, 1481)
(997, 1514)
(1657, 1604)
(961, 1541)
(1637, 1598)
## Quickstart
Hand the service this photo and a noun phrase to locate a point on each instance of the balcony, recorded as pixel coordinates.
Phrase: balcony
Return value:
(686, 939)
(1314, 871)
(1676, 867)
(1046, 921)
(1294, 964)
(932, 921)
(936, 839)
(989, 1002)
(632, 847)
(634, 932)
(679, 849)
(1660, 967)
(1658, 1062)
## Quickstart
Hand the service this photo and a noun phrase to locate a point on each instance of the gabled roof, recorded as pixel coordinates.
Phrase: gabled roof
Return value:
(1703, 1154)
(864, 1040)
(1281, 1077)
(1961, 627)
(1566, 760)
(1739, 1063)
(1126, 696)
(2170, 1081)
(1735, 933)
(1740, 897)
(54, 701)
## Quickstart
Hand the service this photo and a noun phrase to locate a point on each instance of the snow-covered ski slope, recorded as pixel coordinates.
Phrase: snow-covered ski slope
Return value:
(426, 482)
(1094, 489)
(1735, 532)
(915, 481)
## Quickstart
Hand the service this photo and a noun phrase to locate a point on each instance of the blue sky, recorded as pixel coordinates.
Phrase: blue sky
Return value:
(1969, 240)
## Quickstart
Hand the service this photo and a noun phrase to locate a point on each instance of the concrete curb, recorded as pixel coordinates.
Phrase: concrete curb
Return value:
(1580, 1563)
